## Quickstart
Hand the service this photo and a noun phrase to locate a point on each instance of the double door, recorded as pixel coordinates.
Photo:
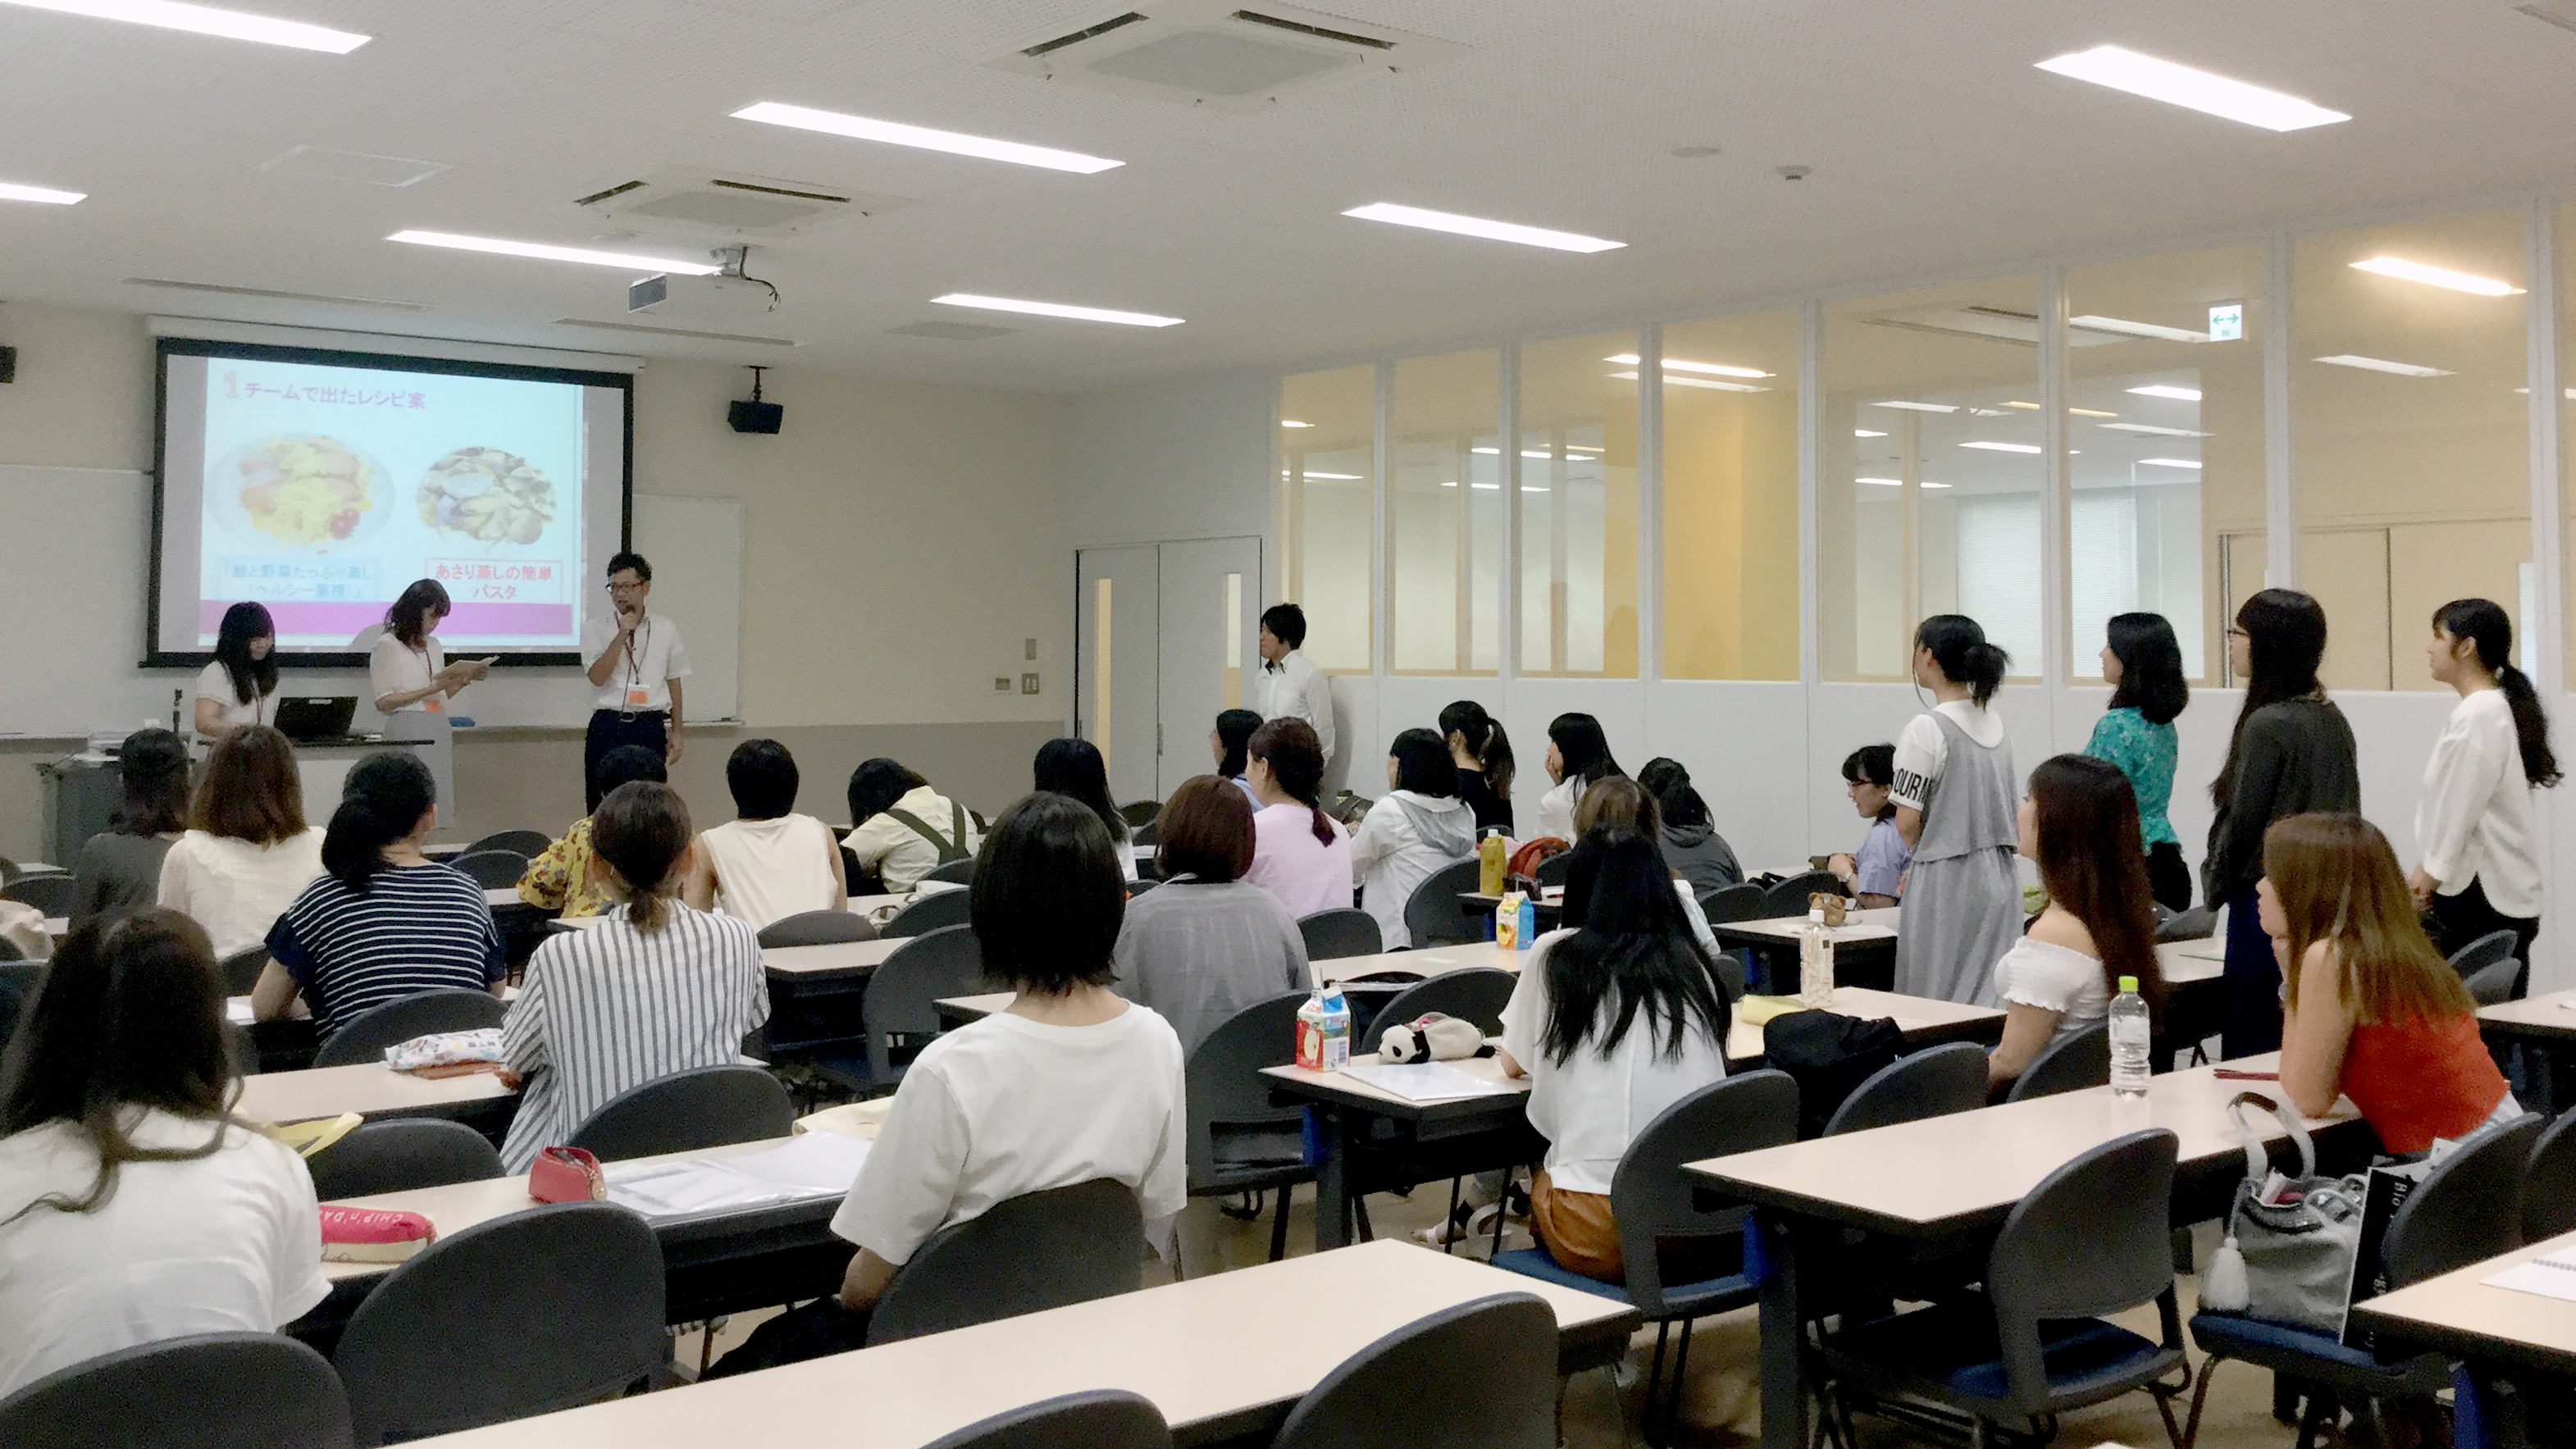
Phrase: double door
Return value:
(1164, 639)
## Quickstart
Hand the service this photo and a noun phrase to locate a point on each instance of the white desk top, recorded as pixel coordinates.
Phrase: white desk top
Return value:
(1434, 961)
(368, 1088)
(499, 896)
(1201, 1350)
(1875, 924)
(1913, 1015)
(1486, 1068)
(58, 926)
(2184, 962)
(980, 1006)
(839, 956)
(2468, 1315)
(2552, 1013)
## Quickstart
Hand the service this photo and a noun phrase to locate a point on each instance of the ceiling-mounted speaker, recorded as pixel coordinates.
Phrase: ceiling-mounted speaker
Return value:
(755, 416)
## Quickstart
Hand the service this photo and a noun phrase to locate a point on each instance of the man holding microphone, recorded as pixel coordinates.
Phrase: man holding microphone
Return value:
(637, 663)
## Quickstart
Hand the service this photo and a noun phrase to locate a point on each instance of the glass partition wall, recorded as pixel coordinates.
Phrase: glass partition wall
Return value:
(1327, 442)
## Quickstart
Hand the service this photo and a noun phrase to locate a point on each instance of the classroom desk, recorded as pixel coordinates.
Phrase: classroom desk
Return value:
(1546, 912)
(2461, 1314)
(1952, 1176)
(1223, 1357)
(1864, 947)
(815, 992)
(957, 1011)
(1924, 1022)
(1429, 961)
(2545, 1027)
(373, 1091)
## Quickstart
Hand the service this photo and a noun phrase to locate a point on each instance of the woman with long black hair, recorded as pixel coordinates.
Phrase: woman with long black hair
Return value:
(2291, 753)
(2481, 864)
(1578, 754)
(1484, 757)
(2143, 665)
(1956, 798)
(1073, 767)
(240, 686)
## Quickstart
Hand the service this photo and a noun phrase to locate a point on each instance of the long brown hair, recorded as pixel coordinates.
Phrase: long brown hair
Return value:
(2094, 866)
(251, 791)
(2338, 882)
(641, 829)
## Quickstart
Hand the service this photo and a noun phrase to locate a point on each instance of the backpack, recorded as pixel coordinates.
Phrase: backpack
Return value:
(1829, 1055)
(951, 847)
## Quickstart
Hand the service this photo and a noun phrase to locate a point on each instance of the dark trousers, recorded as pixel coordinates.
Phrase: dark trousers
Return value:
(2168, 879)
(610, 729)
(2465, 917)
(818, 1329)
(2252, 977)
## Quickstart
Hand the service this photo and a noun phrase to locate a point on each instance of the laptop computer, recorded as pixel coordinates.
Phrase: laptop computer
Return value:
(306, 719)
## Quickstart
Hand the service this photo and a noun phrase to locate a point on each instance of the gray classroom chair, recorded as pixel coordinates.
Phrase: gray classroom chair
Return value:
(2549, 1182)
(961, 871)
(9, 952)
(898, 1007)
(1732, 903)
(1140, 812)
(550, 1307)
(2071, 1063)
(204, 1391)
(492, 869)
(1030, 1253)
(1474, 993)
(1239, 1140)
(818, 928)
(1933, 1082)
(1332, 935)
(928, 913)
(1092, 1419)
(2493, 985)
(2091, 1239)
(449, 1008)
(1789, 897)
(241, 969)
(1481, 1375)
(687, 1112)
(1433, 916)
(401, 1156)
(530, 843)
(52, 892)
(2190, 925)
(1552, 871)
(2482, 953)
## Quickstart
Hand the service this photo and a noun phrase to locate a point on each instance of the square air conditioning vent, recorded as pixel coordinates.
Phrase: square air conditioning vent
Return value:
(707, 203)
(1222, 54)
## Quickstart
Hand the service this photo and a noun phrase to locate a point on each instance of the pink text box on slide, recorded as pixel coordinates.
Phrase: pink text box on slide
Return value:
(482, 621)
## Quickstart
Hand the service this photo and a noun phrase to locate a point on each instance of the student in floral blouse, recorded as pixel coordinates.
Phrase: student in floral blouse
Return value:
(560, 880)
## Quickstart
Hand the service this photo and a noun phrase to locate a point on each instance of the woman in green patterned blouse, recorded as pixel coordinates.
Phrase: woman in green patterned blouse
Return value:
(2143, 665)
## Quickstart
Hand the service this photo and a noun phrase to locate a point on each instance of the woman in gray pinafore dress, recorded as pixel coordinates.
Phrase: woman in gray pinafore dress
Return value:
(1962, 906)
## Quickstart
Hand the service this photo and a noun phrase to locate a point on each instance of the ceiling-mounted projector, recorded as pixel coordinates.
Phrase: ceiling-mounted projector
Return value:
(729, 295)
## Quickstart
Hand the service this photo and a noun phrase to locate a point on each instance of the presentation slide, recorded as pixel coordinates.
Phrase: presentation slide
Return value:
(322, 484)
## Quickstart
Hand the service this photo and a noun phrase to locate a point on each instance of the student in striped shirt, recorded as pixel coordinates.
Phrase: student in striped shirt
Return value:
(383, 921)
(658, 988)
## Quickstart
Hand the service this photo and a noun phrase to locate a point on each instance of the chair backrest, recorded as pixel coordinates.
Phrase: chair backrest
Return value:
(492, 869)
(1789, 897)
(1732, 903)
(52, 892)
(1093, 1419)
(364, 1037)
(2481, 953)
(2549, 1182)
(204, 1391)
(550, 1307)
(241, 969)
(1432, 916)
(1140, 812)
(1476, 993)
(1333, 934)
(400, 1156)
(1037, 1251)
(928, 913)
(2094, 1237)
(9, 952)
(1222, 1085)
(2079, 1059)
(961, 871)
(1552, 871)
(687, 1111)
(530, 843)
(2492, 985)
(1934, 1082)
(902, 994)
(1138, 887)
(818, 928)
(2467, 1209)
(1650, 1198)
(1481, 1375)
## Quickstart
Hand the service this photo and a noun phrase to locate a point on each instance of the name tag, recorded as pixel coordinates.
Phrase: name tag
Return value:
(638, 696)
(434, 704)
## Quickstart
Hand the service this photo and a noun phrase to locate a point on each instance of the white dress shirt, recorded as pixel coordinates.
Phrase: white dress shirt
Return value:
(1294, 688)
(2473, 821)
(640, 681)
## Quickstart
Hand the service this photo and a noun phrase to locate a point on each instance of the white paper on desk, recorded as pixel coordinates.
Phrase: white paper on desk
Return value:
(814, 1162)
(1426, 1081)
(237, 1011)
(2552, 1277)
(818, 1164)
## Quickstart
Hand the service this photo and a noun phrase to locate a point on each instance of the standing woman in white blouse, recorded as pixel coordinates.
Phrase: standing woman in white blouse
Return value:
(240, 686)
(413, 681)
(2481, 864)
(1956, 798)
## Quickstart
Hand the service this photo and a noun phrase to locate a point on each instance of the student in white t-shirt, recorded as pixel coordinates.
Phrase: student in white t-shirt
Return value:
(2079, 825)
(239, 687)
(133, 1206)
(1068, 1084)
(770, 863)
(248, 852)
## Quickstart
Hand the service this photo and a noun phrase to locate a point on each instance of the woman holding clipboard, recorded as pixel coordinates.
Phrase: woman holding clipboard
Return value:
(413, 680)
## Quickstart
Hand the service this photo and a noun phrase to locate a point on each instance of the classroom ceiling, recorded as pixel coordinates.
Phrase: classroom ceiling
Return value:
(1935, 147)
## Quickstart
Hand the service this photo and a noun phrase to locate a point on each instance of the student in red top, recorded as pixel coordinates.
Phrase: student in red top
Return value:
(2370, 1010)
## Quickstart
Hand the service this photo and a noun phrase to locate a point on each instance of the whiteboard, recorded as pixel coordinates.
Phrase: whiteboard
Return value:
(695, 546)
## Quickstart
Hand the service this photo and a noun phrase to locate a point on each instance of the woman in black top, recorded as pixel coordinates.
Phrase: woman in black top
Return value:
(1483, 755)
(2292, 753)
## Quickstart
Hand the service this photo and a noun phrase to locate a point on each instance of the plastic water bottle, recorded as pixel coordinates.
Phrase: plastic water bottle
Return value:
(2129, 1033)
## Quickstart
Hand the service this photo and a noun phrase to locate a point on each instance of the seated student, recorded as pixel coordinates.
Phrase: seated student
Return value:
(248, 852)
(133, 1206)
(769, 863)
(120, 870)
(1073, 768)
(1233, 731)
(1419, 826)
(384, 921)
(1206, 943)
(1484, 756)
(901, 828)
(1612, 1021)
(2370, 1010)
(1578, 755)
(1877, 874)
(1692, 846)
(560, 878)
(658, 988)
(1619, 803)
(1299, 853)
(2079, 825)
(1068, 1084)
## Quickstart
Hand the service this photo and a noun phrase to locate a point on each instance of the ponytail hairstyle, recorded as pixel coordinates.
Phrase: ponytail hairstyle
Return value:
(385, 798)
(251, 678)
(2285, 637)
(1584, 749)
(641, 829)
(1961, 653)
(2150, 658)
(1296, 761)
(2484, 624)
(1485, 740)
(152, 765)
(1669, 781)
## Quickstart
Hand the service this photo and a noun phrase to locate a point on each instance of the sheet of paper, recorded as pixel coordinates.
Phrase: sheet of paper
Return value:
(817, 1164)
(814, 1162)
(1427, 1081)
(2551, 1277)
(237, 1010)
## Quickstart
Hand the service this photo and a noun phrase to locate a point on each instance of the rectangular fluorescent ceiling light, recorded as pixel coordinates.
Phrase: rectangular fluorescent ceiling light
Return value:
(896, 133)
(2031, 406)
(2152, 432)
(1293, 423)
(2437, 276)
(2091, 413)
(1896, 482)
(207, 20)
(2199, 90)
(2137, 329)
(1536, 236)
(1058, 309)
(544, 252)
(2168, 462)
(10, 191)
(2158, 389)
(2381, 364)
(1707, 382)
(1867, 433)
(2004, 447)
(1584, 448)
(1675, 364)
(1916, 407)
(1333, 477)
